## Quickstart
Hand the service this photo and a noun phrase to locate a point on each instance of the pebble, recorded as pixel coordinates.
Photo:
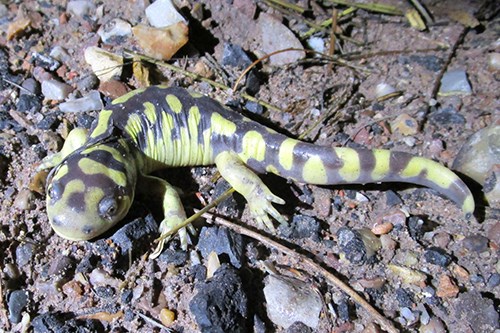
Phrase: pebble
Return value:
(115, 31)
(404, 124)
(290, 300)
(383, 89)
(447, 287)
(220, 304)
(55, 90)
(352, 245)
(87, 82)
(44, 61)
(409, 316)
(80, 8)
(234, 55)
(445, 116)
(162, 13)
(302, 227)
(454, 82)
(23, 200)
(317, 44)
(161, 43)
(113, 88)
(299, 327)
(478, 155)
(434, 326)
(90, 102)
(405, 298)
(275, 36)
(494, 233)
(388, 243)
(129, 237)
(60, 54)
(437, 256)
(167, 317)
(408, 275)
(371, 241)
(392, 198)
(493, 280)
(221, 241)
(61, 266)
(18, 27)
(494, 61)
(382, 228)
(24, 254)
(105, 65)
(415, 226)
(18, 299)
(254, 107)
(478, 311)
(475, 243)
(58, 322)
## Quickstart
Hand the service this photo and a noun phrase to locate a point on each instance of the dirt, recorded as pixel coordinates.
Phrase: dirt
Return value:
(98, 286)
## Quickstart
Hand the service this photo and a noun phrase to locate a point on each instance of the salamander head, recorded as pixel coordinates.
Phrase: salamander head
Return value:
(90, 191)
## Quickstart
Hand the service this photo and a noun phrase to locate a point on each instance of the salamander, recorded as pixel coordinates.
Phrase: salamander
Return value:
(94, 177)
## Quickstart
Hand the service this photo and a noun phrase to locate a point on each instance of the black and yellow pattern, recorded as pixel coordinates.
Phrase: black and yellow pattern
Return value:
(95, 175)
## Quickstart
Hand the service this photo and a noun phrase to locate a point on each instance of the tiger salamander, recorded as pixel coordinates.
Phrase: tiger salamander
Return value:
(94, 177)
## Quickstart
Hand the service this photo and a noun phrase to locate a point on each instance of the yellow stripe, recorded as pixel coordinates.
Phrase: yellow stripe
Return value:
(92, 167)
(285, 153)
(102, 123)
(127, 96)
(174, 103)
(314, 171)
(150, 112)
(351, 167)
(221, 125)
(382, 163)
(253, 146)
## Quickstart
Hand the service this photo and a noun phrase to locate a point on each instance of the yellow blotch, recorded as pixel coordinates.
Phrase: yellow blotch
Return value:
(102, 123)
(91, 167)
(314, 171)
(351, 167)
(195, 94)
(127, 96)
(174, 103)
(254, 146)
(74, 186)
(382, 163)
(221, 125)
(133, 126)
(150, 112)
(285, 153)
(272, 169)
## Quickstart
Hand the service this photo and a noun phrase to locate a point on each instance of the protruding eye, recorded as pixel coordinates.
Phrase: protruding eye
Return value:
(55, 191)
(108, 207)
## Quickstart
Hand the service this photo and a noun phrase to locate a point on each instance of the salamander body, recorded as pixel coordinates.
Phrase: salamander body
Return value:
(94, 177)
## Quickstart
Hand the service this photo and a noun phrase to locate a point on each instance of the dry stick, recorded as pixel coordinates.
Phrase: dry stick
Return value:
(310, 266)
(198, 77)
(287, 5)
(331, 50)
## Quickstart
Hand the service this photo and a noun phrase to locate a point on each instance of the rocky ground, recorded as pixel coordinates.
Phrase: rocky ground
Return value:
(406, 250)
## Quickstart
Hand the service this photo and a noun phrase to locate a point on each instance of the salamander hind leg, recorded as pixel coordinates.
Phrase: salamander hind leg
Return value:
(173, 211)
(260, 199)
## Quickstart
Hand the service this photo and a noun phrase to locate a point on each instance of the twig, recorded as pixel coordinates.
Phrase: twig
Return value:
(418, 6)
(197, 77)
(325, 24)
(310, 266)
(373, 7)
(154, 322)
(287, 5)
(331, 50)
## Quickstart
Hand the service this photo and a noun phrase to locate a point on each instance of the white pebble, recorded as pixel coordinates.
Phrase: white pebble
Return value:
(90, 102)
(105, 65)
(162, 13)
(494, 60)
(114, 29)
(80, 8)
(384, 89)
(454, 82)
(55, 90)
(60, 54)
(317, 44)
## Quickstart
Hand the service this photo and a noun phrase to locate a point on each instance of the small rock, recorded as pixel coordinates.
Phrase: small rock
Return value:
(416, 227)
(161, 43)
(302, 226)
(129, 236)
(105, 65)
(90, 102)
(437, 256)
(317, 44)
(445, 116)
(24, 254)
(405, 125)
(383, 89)
(442, 239)
(409, 316)
(80, 8)
(405, 298)
(167, 317)
(174, 257)
(61, 322)
(371, 241)
(478, 311)
(220, 304)
(87, 82)
(18, 299)
(494, 61)
(254, 107)
(494, 233)
(352, 245)
(392, 198)
(234, 55)
(72, 289)
(162, 13)
(454, 82)
(479, 154)
(18, 27)
(115, 31)
(99, 277)
(290, 300)
(46, 62)
(476, 243)
(275, 36)
(382, 228)
(434, 326)
(61, 266)
(409, 276)
(60, 54)
(113, 88)
(55, 90)
(299, 327)
(221, 241)
(447, 288)
(388, 243)
(23, 200)
(84, 120)
(493, 280)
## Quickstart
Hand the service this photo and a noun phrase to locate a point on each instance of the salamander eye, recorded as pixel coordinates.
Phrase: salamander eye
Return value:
(108, 207)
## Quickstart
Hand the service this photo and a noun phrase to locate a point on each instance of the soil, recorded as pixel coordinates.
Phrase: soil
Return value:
(49, 284)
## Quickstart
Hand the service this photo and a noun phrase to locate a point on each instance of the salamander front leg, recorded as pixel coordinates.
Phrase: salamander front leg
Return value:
(260, 199)
(76, 139)
(173, 211)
